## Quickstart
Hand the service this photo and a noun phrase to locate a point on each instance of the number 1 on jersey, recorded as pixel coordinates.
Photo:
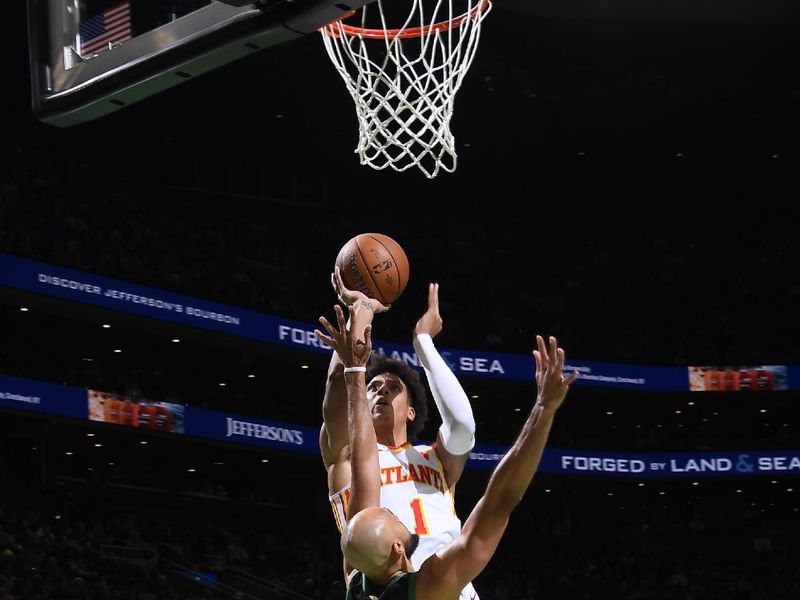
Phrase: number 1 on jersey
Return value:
(420, 524)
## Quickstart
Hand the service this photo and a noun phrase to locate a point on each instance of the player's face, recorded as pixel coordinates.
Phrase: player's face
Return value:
(388, 399)
(386, 391)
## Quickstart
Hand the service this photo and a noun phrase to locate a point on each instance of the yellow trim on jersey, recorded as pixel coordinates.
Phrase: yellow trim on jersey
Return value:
(336, 516)
(339, 503)
(345, 496)
(400, 448)
(450, 488)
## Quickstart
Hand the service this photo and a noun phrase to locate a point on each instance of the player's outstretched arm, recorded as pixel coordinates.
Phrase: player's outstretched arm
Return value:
(444, 574)
(457, 433)
(333, 434)
(355, 353)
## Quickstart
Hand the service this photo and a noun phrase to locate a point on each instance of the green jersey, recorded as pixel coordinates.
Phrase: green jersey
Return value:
(401, 587)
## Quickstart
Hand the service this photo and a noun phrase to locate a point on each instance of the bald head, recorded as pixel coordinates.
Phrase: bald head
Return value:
(376, 543)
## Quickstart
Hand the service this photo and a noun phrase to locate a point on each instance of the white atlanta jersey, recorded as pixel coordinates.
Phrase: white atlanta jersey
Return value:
(413, 487)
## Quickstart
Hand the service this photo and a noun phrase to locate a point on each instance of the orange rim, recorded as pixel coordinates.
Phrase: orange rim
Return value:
(334, 29)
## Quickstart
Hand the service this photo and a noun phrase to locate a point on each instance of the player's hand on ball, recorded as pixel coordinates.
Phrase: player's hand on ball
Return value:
(350, 297)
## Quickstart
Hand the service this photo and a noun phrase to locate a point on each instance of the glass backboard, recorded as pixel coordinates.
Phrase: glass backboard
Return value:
(89, 58)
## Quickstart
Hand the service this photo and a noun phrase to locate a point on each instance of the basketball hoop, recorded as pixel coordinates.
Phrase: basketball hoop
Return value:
(404, 87)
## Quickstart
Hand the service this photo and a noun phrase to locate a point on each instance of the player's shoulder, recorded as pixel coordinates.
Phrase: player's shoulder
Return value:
(426, 451)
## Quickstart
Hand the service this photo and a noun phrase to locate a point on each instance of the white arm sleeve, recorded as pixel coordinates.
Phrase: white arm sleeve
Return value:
(458, 422)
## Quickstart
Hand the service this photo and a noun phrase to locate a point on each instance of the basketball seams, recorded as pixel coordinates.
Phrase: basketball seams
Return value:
(394, 261)
(382, 257)
(375, 287)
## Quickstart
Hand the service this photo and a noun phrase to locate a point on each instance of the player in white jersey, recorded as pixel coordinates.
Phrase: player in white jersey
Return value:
(417, 481)
(376, 543)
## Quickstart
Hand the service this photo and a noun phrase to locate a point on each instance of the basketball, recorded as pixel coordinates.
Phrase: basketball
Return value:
(375, 265)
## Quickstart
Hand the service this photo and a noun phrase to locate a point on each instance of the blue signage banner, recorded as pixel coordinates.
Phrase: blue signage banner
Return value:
(128, 297)
(24, 394)
(238, 429)
(77, 286)
(793, 377)
(694, 465)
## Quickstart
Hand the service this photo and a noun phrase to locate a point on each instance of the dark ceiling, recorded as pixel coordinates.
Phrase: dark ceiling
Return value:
(550, 79)
(697, 11)
(669, 128)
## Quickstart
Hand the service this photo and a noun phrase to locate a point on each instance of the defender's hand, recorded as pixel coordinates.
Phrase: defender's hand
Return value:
(550, 380)
(354, 352)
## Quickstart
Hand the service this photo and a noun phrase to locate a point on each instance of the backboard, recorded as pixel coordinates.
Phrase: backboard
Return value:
(89, 58)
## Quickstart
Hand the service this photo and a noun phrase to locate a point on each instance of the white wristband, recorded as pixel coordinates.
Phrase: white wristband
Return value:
(355, 369)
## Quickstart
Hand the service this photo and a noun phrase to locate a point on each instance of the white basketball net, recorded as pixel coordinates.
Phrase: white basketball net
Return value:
(404, 87)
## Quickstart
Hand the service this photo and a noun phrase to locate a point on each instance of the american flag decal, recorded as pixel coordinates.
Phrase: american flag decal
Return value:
(112, 26)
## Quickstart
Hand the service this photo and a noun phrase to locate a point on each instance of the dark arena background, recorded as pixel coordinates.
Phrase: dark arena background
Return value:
(628, 181)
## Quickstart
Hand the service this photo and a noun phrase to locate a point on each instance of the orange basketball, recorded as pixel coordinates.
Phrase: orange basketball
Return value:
(375, 265)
